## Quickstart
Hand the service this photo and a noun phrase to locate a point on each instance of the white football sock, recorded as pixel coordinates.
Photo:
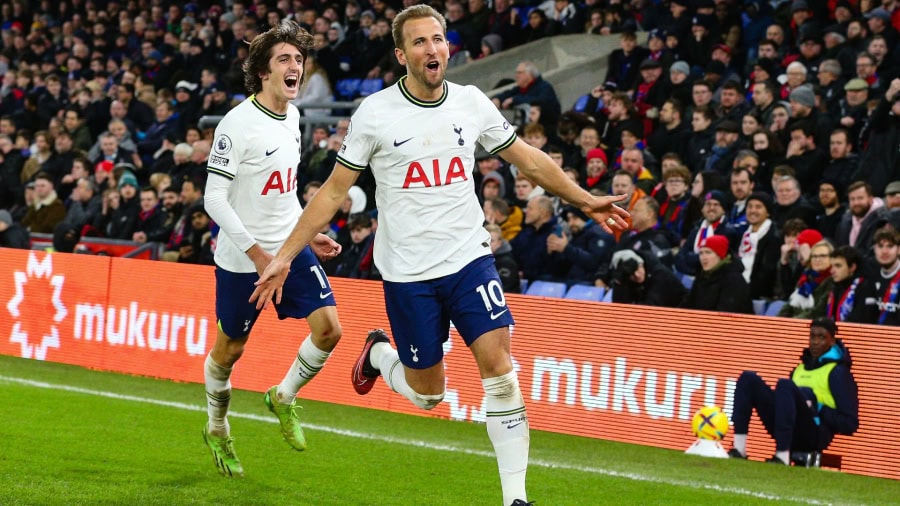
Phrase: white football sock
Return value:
(507, 427)
(385, 358)
(218, 396)
(308, 363)
(784, 456)
(740, 443)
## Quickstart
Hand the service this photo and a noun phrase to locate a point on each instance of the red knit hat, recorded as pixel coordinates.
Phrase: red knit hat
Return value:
(104, 165)
(718, 244)
(809, 237)
(597, 153)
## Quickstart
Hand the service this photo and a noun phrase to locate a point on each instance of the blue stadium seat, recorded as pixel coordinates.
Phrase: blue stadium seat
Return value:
(774, 307)
(347, 89)
(369, 86)
(607, 297)
(523, 285)
(759, 306)
(584, 292)
(687, 281)
(546, 289)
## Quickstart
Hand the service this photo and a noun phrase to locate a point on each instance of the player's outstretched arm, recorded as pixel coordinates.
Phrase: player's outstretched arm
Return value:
(320, 210)
(541, 169)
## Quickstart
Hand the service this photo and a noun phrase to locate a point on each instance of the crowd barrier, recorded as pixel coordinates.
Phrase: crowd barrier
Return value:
(598, 370)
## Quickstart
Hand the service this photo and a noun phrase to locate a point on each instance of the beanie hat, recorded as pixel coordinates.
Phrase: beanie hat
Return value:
(763, 198)
(717, 243)
(825, 323)
(128, 179)
(804, 95)
(680, 66)
(809, 237)
(572, 210)
(596, 153)
(497, 178)
(716, 195)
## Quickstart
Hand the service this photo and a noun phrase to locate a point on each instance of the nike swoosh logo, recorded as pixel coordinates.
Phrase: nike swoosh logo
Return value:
(495, 316)
(323, 295)
(269, 153)
(401, 142)
(514, 425)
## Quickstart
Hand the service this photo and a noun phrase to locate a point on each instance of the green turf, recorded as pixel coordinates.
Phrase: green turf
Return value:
(63, 447)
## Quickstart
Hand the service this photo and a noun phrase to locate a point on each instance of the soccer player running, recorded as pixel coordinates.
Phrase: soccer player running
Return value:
(419, 138)
(251, 194)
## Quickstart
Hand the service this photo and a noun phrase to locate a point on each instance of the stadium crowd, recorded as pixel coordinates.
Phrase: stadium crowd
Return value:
(758, 141)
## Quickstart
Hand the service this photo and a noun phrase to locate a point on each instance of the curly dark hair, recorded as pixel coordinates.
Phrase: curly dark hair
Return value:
(257, 61)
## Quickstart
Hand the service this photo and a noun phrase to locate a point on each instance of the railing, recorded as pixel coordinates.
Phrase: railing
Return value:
(102, 246)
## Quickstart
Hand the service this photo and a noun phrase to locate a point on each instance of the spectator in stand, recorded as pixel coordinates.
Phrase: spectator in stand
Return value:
(866, 214)
(698, 46)
(588, 139)
(803, 108)
(120, 210)
(139, 113)
(674, 135)
(803, 283)
(151, 225)
(885, 68)
(833, 209)
(719, 286)
(492, 186)
(583, 249)
(622, 68)
(651, 92)
(831, 84)
(725, 147)
(810, 45)
(530, 249)
(646, 235)
(42, 152)
(680, 84)
(622, 115)
(508, 217)
(741, 186)
(647, 283)
(843, 163)
(877, 300)
(760, 248)
(844, 282)
(84, 206)
(167, 122)
(12, 235)
(356, 260)
(892, 202)
(11, 184)
(48, 210)
(853, 112)
(714, 222)
(879, 21)
(731, 102)
(879, 161)
(802, 413)
(531, 88)
(770, 153)
(525, 190)
(633, 164)
(196, 247)
(568, 17)
(679, 210)
(74, 124)
(790, 203)
(701, 141)
(506, 264)
(804, 155)
(597, 174)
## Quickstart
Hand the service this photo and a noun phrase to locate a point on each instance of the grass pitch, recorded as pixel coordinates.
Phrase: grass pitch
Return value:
(73, 436)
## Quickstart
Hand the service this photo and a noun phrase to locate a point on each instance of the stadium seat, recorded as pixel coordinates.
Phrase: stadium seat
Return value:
(523, 285)
(369, 86)
(347, 89)
(584, 292)
(547, 289)
(774, 307)
(607, 297)
(687, 281)
(759, 306)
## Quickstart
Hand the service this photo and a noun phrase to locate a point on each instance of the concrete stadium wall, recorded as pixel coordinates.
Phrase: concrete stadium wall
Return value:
(607, 371)
(574, 64)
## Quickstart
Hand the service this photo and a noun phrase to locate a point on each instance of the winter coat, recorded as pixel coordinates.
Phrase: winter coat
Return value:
(721, 289)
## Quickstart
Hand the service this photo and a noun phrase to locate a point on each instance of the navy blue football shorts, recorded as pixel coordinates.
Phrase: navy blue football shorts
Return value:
(305, 290)
(420, 311)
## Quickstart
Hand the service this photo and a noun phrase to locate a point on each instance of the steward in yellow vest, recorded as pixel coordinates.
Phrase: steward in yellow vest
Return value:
(802, 413)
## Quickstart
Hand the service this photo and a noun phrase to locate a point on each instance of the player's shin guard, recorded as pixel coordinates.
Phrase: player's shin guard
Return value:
(218, 396)
(310, 360)
(507, 427)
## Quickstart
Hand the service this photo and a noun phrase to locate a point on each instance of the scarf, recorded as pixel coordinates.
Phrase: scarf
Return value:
(845, 304)
(802, 297)
(749, 245)
(706, 230)
(672, 219)
(890, 295)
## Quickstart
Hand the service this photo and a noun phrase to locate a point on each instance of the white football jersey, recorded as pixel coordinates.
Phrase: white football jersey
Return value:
(258, 151)
(422, 155)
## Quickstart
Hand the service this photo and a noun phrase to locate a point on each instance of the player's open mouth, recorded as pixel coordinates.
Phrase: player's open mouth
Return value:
(291, 82)
(433, 66)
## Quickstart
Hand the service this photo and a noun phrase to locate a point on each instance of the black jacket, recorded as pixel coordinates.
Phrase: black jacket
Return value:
(721, 289)
(15, 237)
(869, 304)
(585, 251)
(844, 417)
(866, 236)
(660, 288)
(764, 275)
